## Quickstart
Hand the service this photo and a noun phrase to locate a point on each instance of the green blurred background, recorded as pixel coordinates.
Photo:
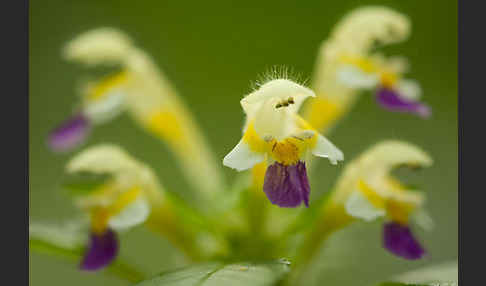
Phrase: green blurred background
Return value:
(212, 51)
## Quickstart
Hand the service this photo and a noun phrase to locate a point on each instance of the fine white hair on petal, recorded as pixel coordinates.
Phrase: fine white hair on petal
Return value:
(242, 158)
(354, 77)
(324, 148)
(358, 206)
(279, 72)
(99, 46)
(409, 89)
(132, 215)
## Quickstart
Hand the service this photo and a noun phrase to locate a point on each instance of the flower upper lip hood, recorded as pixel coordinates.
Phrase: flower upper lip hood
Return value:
(99, 46)
(276, 90)
(378, 162)
(126, 171)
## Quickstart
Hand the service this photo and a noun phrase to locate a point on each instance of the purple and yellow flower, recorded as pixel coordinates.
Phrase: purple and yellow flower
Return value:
(142, 89)
(385, 76)
(368, 191)
(117, 199)
(100, 102)
(274, 133)
(347, 63)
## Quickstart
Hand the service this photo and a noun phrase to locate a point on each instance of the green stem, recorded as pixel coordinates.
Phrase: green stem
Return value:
(331, 219)
(184, 226)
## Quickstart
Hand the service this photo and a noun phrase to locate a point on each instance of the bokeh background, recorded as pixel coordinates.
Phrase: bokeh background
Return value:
(212, 51)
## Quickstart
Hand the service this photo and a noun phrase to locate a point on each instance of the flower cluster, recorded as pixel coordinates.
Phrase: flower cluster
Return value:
(115, 191)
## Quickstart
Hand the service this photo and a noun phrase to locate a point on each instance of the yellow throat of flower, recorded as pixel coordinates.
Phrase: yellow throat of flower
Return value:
(287, 151)
(101, 215)
(396, 210)
(102, 88)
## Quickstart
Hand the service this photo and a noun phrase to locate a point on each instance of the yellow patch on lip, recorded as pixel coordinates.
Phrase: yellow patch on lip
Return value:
(258, 175)
(376, 200)
(100, 216)
(287, 151)
(254, 141)
(398, 210)
(290, 150)
(388, 79)
(102, 88)
(365, 64)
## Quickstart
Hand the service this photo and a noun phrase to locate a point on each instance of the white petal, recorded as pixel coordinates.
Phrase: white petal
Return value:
(358, 206)
(354, 77)
(132, 215)
(409, 89)
(242, 158)
(106, 108)
(324, 148)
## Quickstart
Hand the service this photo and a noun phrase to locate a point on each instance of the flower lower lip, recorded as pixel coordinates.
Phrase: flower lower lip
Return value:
(103, 248)
(287, 185)
(391, 100)
(69, 134)
(399, 240)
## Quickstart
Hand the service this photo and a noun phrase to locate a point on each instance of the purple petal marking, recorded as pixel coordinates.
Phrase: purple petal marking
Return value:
(391, 100)
(287, 186)
(399, 240)
(102, 249)
(69, 134)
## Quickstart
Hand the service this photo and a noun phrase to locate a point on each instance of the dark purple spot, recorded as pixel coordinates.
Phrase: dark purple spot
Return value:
(399, 240)
(102, 249)
(287, 186)
(391, 100)
(69, 134)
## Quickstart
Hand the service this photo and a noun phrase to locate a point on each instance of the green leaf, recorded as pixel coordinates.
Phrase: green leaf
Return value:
(82, 183)
(445, 274)
(216, 274)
